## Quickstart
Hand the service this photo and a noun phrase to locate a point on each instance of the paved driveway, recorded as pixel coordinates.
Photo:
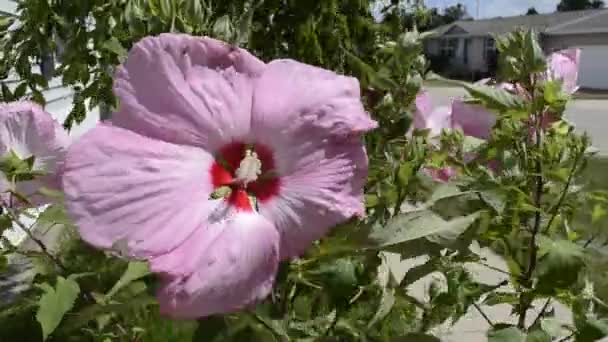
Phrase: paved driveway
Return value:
(588, 115)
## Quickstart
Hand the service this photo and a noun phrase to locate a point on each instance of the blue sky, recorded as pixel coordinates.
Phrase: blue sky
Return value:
(495, 8)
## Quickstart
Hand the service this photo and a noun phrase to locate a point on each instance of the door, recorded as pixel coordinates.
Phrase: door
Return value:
(593, 69)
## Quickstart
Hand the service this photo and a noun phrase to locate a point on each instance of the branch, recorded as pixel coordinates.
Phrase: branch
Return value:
(483, 314)
(542, 312)
(524, 303)
(567, 338)
(555, 209)
(14, 217)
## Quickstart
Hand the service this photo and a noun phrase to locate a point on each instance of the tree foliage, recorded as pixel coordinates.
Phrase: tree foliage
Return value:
(577, 5)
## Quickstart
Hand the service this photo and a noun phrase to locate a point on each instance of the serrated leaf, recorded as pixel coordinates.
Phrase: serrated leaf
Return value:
(495, 98)
(535, 60)
(420, 224)
(511, 334)
(135, 270)
(445, 191)
(55, 214)
(495, 199)
(553, 327)
(55, 303)
(559, 264)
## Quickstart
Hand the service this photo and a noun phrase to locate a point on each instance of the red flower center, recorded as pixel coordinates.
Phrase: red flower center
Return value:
(223, 174)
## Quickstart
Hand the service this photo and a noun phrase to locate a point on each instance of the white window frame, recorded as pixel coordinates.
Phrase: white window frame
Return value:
(489, 47)
(448, 47)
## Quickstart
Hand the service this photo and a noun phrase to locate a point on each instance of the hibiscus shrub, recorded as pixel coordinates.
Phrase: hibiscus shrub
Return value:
(236, 193)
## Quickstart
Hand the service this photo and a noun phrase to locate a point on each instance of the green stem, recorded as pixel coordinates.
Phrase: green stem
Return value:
(555, 209)
(524, 300)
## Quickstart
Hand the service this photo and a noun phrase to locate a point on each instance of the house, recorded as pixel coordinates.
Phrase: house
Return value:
(467, 49)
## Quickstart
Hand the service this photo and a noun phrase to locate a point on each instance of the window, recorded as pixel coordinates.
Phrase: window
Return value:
(448, 47)
(489, 48)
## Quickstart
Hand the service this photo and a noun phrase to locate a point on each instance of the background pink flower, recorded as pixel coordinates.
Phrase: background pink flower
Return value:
(563, 65)
(199, 117)
(474, 121)
(28, 131)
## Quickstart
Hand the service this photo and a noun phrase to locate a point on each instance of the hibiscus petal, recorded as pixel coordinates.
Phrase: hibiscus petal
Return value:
(186, 90)
(141, 195)
(441, 175)
(290, 95)
(426, 117)
(563, 65)
(324, 188)
(27, 130)
(474, 120)
(232, 263)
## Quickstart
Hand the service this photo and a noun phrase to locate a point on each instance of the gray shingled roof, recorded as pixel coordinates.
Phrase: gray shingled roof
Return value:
(596, 22)
(579, 20)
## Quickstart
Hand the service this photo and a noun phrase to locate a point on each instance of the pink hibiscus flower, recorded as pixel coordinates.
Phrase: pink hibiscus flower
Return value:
(473, 120)
(27, 132)
(563, 65)
(197, 119)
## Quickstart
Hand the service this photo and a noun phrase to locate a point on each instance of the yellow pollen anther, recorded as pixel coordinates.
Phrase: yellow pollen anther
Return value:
(249, 169)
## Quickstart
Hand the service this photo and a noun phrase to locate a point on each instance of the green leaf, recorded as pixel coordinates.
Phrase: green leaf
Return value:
(211, 328)
(599, 212)
(496, 199)
(20, 90)
(591, 329)
(534, 55)
(55, 214)
(194, 10)
(135, 270)
(7, 96)
(416, 337)
(244, 25)
(559, 266)
(166, 9)
(6, 22)
(496, 298)
(420, 224)
(495, 98)
(55, 303)
(222, 28)
(3, 263)
(553, 327)
(93, 311)
(371, 200)
(538, 336)
(113, 45)
(404, 174)
(511, 334)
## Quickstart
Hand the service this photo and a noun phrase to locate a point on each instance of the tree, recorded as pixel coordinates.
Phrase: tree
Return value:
(577, 5)
(532, 11)
(454, 13)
